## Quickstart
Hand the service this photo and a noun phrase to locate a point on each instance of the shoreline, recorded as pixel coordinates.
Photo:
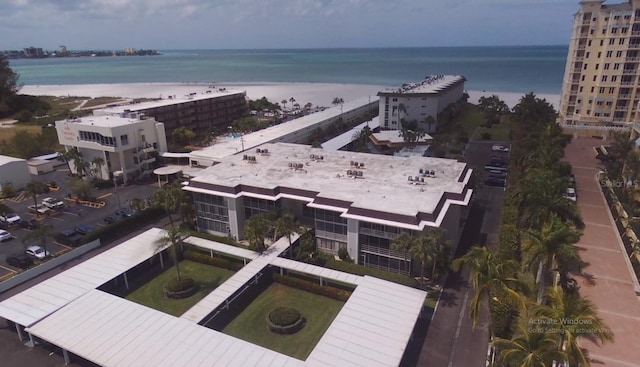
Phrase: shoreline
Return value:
(319, 94)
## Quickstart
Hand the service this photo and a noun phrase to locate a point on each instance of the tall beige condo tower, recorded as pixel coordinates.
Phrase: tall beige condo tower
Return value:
(600, 85)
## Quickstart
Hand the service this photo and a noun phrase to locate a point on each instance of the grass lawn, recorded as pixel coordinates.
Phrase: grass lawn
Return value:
(470, 119)
(319, 312)
(151, 294)
(101, 100)
(8, 133)
(499, 132)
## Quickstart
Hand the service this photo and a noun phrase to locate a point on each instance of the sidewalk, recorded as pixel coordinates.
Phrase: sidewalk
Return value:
(601, 247)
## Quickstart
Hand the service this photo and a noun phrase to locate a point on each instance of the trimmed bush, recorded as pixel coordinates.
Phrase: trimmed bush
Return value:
(183, 288)
(363, 270)
(103, 184)
(322, 290)
(285, 320)
(203, 258)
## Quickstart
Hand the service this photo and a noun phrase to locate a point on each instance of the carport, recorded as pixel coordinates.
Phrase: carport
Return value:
(36, 303)
(168, 172)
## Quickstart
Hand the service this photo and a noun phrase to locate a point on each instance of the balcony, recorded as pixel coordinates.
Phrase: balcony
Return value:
(634, 45)
(148, 160)
(629, 71)
(581, 47)
(627, 83)
(380, 234)
(635, 33)
(624, 96)
(578, 58)
(633, 59)
(622, 108)
(146, 148)
(331, 236)
(384, 252)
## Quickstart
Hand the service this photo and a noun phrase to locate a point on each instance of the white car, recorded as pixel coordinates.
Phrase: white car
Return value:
(37, 252)
(39, 209)
(500, 148)
(52, 203)
(10, 219)
(4, 235)
(571, 194)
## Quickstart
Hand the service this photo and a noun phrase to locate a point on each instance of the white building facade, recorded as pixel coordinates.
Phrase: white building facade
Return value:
(419, 102)
(361, 202)
(13, 171)
(128, 144)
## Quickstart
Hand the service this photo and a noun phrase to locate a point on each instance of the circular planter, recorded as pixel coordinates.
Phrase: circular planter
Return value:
(187, 288)
(285, 320)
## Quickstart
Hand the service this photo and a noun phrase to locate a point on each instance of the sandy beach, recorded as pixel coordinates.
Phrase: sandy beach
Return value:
(319, 94)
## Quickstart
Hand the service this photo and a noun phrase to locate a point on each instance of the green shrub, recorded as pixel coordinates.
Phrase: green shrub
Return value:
(203, 258)
(213, 237)
(486, 136)
(284, 316)
(103, 184)
(322, 290)
(343, 254)
(363, 270)
(173, 285)
(121, 228)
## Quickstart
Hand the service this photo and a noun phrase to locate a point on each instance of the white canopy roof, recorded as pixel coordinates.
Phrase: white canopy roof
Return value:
(39, 301)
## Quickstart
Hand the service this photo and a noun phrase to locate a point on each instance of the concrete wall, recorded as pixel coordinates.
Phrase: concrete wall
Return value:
(15, 173)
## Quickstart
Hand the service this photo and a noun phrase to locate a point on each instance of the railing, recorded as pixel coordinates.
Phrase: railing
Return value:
(578, 58)
(633, 59)
(622, 108)
(331, 236)
(624, 96)
(635, 33)
(376, 233)
(386, 268)
(384, 252)
(629, 71)
(627, 83)
(596, 127)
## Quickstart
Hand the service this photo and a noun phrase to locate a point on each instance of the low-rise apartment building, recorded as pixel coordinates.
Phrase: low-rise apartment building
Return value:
(419, 102)
(353, 200)
(128, 144)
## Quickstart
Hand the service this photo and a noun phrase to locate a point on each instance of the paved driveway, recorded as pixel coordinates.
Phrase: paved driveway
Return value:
(602, 248)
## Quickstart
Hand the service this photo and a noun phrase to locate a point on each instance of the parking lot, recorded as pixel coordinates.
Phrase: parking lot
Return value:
(67, 218)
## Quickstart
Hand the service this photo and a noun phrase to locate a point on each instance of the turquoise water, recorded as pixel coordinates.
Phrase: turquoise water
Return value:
(504, 69)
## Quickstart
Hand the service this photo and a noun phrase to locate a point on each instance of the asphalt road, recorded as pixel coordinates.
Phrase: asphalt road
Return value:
(451, 339)
(67, 218)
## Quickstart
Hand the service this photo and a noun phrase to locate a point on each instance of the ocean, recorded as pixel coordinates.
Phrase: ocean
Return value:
(518, 69)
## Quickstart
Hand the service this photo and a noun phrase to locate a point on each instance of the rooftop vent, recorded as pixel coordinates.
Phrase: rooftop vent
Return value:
(244, 157)
(410, 178)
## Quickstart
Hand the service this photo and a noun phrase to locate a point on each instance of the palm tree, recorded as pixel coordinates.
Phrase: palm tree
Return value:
(170, 198)
(255, 230)
(529, 347)
(570, 313)
(292, 100)
(338, 101)
(40, 235)
(97, 164)
(79, 164)
(490, 276)
(286, 226)
(552, 244)
(5, 209)
(136, 204)
(173, 238)
(403, 243)
(428, 248)
(34, 188)
(284, 103)
(429, 120)
(183, 135)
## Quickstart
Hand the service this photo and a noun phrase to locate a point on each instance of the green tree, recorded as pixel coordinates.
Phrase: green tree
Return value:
(529, 347)
(489, 277)
(7, 190)
(338, 101)
(549, 246)
(403, 243)
(80, 188)
(183, 135)
(256, 229)
(96, 167)
(73, 156)
(35, 188)
(284, 104)
(8, 86)
(286, 225)
(172, 239)
(171, 198)
(570, 312)
(429, 248)
(40, 235)
(5, 209)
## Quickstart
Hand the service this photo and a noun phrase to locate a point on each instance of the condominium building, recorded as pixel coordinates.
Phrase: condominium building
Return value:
(358, 201)
(211, 111)
(127, 143)
(419, 102)
(600, 85)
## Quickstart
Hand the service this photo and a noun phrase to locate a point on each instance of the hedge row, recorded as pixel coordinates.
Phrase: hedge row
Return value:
(363, 270)
(222, 239)
(315, 288)
(125, 226)
(203, 258)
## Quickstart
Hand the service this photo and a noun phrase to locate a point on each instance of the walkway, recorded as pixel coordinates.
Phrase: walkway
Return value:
(224, 292)
(602, 248)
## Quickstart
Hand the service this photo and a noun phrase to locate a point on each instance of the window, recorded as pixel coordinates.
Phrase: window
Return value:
(592, 89)
(595, 77)
(616, 66)
(614, 30)
(581, 89)
(124, 139)
(619, 54)
(621, 42)
(604, 78)
(582, 79)
(597, 66)
(601, 42)
(589, 43)
(599, 54)
(624, 29)
(609, 53)
(585, 67)
(606, 66)
(612, 90)
(614, 78)
(601, 90)
(612, 41)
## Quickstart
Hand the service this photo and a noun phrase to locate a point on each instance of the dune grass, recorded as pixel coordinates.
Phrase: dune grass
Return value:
(318, 311)
(151, 294)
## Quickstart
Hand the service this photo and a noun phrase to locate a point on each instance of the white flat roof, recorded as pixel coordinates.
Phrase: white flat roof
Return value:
(106, 120)
(113, 332)
(142, 106)
(432, 84)
(384, 186)
(218, 296)
(395, 137)
(230, 146)
(345, 138)
(372, 329)
(4, 159)
(39, 301)
(318, 271)
(221, 247)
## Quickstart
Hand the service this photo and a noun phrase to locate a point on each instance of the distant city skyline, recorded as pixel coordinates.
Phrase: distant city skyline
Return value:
(283, 24)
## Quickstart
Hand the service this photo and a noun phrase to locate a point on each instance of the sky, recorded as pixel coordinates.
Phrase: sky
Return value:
(250, 24)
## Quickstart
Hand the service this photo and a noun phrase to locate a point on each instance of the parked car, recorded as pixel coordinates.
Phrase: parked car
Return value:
(10, 219)
(111, 219)
(498, 163)
(52, 203)
(495, 168)
(500, 148)
(37, 252)
(571, 194)
(4, 235)
(20, 261)
(29, 224)
(125, 213)
(495, 182)
(68, 238)
(84, 229)
(38, 209)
